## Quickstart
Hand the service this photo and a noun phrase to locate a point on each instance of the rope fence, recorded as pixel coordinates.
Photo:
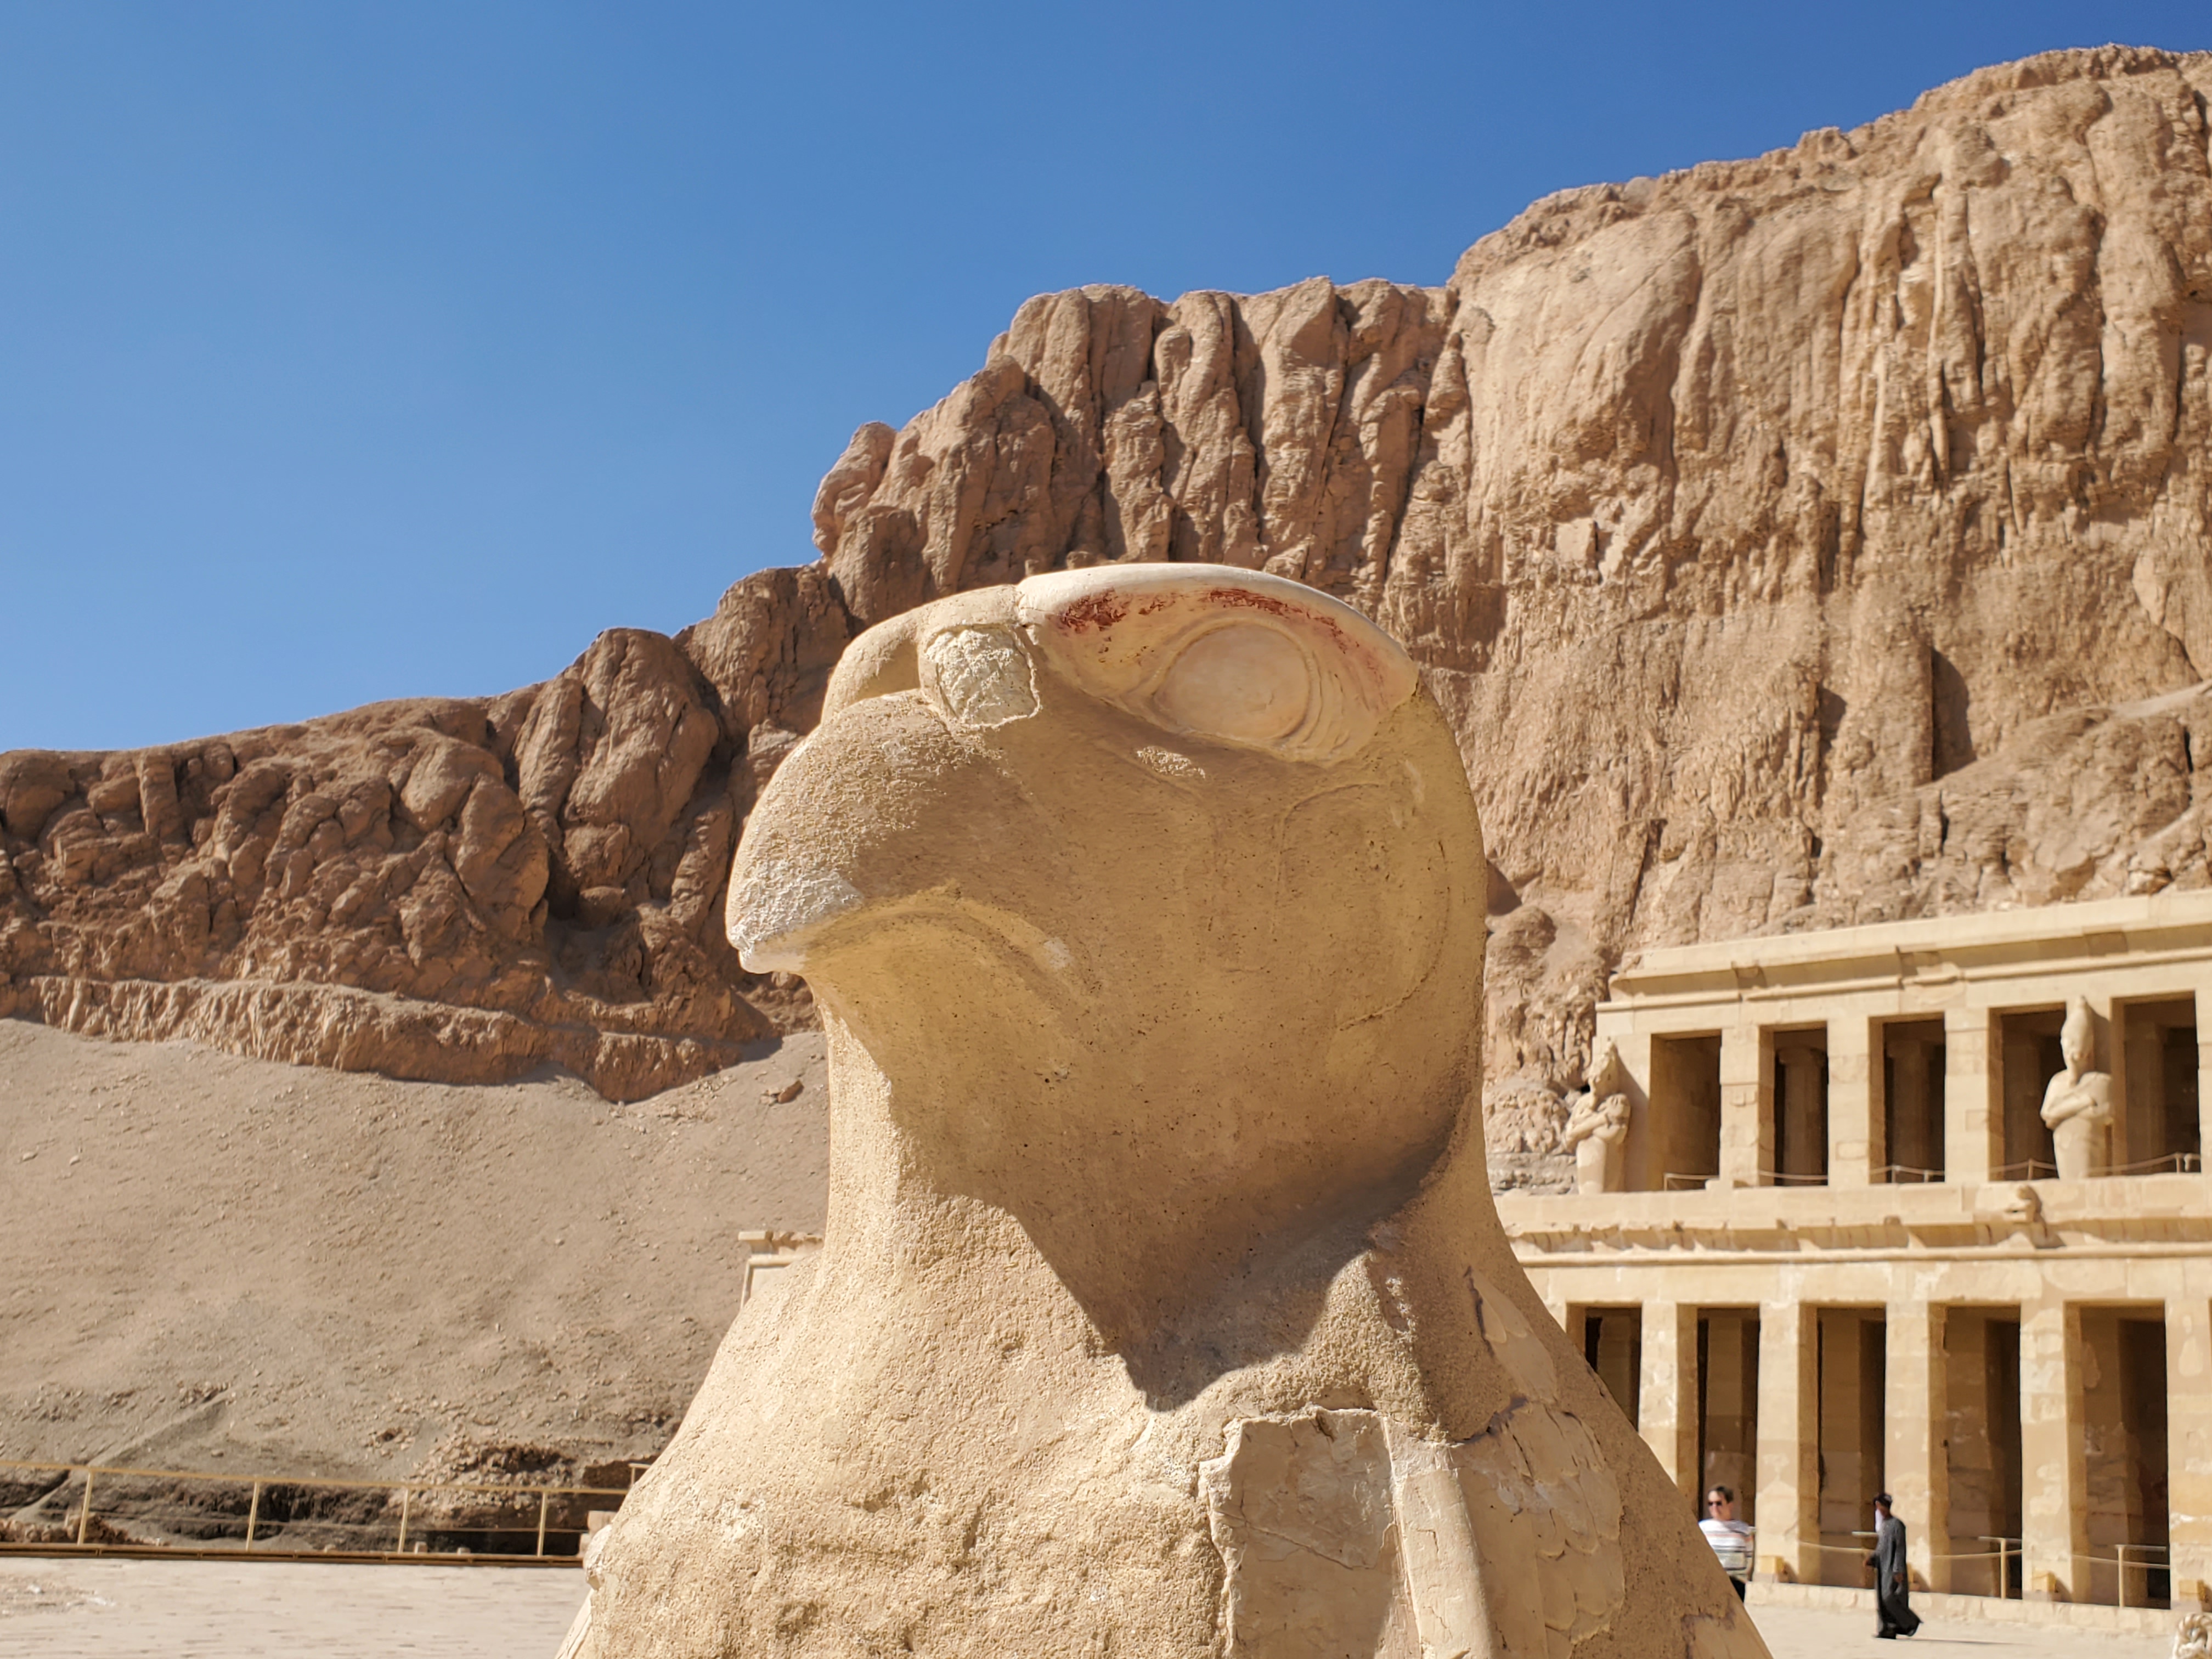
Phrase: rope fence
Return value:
(69, 1508)
(100, 1508)
(2035, 1169)
(2171, 1163)
(1907, 1174)
(1910, 1174)
(2146, 1559)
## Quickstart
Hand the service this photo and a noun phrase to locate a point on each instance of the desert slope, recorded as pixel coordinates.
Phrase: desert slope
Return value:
(214, 1262)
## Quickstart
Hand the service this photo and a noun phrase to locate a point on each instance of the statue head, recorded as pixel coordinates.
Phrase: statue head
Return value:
(1604, 1070)
(1153, 894)
(2077, 1038)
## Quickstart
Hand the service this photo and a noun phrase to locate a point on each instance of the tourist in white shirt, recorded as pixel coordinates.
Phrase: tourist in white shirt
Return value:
(1729, 1537)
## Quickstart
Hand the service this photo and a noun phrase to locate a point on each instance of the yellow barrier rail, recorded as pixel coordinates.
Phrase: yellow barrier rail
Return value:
(283, 1518)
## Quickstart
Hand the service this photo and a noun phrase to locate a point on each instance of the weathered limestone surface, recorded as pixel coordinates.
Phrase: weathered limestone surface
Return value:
(1817, 538)
(1791, 540)
(1163, 1306)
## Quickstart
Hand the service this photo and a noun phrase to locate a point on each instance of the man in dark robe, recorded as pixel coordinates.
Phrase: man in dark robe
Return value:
(1892, 1584)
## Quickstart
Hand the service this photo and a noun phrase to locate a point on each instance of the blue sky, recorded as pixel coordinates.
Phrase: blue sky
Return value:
(354, 350)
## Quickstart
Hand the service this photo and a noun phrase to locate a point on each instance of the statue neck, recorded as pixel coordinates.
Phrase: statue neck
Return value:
(910, 1163)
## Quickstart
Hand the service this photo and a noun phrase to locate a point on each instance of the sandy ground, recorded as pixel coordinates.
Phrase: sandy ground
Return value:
(173, 1609)
(1805, 1633)
(97, 1610)
(209, 1263)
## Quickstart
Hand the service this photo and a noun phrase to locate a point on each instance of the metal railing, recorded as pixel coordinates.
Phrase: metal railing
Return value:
(2150, 1558)
(187, 1512)
(1857, 1553)
(2007, 1551)
(2035, 1169)
(1907, 1174)
(2167, 1163)
(2146, 1560)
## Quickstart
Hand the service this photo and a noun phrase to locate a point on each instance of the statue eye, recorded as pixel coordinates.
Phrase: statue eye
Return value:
(982, 675)
(1235, 656)
(1244, 682)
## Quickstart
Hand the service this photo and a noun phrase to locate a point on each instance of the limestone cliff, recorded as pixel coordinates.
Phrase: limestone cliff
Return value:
(1816, 539)
(452, 890)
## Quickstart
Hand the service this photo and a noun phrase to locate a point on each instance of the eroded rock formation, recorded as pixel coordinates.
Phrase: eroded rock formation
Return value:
(1812, 539)
(451, 889)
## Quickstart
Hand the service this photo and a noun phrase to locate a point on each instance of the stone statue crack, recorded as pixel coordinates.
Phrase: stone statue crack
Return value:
(1162, 1308)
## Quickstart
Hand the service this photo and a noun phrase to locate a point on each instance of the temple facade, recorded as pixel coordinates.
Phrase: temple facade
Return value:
(1919, 1208)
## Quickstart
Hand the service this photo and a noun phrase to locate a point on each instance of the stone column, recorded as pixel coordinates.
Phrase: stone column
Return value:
(1747, 1105)
(1634, 1051)
(2054, 1477)
(1913, 1453)
(1667, 1409)
(1789, 1444)
(2107, 1058)
(2189, 1449)
(2204, 1082)
(1556, 1304)
(1973, 1111)
(1855, 1135)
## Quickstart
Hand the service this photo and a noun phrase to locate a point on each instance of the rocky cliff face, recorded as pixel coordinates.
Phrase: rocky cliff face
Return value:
(452, 890)
(1818, 538)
